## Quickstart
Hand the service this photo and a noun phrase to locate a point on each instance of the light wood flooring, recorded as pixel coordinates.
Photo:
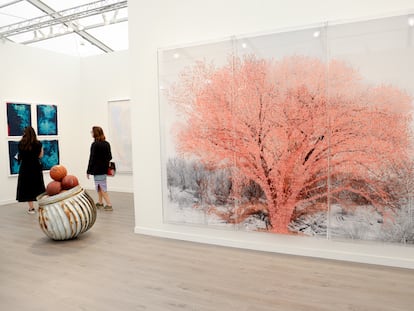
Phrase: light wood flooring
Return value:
(111, 268)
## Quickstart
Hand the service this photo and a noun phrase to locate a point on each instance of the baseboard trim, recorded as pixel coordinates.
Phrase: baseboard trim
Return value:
(360, 252)
(9, 201)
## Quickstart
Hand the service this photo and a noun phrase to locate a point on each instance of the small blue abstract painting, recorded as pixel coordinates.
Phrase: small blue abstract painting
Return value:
(13, 153)
(46, 119)
(18, 117)
(50, 153)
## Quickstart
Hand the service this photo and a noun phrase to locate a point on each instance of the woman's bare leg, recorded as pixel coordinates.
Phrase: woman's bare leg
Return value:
(31, 207)
(106, 198)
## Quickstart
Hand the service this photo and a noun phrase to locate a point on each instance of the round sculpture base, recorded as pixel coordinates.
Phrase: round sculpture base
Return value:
(66, 215)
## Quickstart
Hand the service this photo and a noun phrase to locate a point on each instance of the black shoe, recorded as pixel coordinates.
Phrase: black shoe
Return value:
(108, 208)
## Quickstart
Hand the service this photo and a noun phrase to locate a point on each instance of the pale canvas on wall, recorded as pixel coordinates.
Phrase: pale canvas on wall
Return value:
(120, 134)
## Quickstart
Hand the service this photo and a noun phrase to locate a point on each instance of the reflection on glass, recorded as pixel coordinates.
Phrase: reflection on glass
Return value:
(300, 132)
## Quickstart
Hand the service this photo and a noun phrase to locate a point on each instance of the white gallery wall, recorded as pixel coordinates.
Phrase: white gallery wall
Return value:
(162, 24)
(35, 76)
(103, 78)
(80, 88)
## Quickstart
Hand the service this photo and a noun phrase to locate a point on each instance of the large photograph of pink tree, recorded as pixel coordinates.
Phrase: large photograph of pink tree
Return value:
(297, 144)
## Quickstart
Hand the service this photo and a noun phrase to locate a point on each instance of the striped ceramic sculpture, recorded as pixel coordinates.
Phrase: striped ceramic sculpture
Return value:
(66, 215)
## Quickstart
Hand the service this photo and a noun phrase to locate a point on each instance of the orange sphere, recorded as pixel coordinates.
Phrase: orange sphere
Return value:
(69, 181)
(53, 187)
(57, 172)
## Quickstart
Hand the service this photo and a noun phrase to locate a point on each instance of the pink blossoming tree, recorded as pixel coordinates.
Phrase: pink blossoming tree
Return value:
(303, 130)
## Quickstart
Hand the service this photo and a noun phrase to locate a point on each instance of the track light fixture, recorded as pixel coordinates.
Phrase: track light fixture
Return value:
(105, 19)
(115, 16)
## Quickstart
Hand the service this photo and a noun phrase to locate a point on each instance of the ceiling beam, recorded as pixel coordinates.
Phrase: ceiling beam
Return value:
(55, 35)
(64, 17)
(9, 3)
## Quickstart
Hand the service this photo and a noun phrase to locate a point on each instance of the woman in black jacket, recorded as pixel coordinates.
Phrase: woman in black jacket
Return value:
(30, 181)
(100, 155)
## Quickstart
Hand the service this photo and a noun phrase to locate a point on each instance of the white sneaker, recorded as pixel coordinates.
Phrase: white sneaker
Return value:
(32, 211)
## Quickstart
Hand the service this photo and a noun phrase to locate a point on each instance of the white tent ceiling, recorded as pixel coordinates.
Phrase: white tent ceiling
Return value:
(74, 27)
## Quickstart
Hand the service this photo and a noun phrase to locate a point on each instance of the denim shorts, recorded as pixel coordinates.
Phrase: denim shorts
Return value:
(100, 182)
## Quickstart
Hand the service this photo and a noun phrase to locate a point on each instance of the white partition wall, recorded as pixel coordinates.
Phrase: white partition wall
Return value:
(79, 88)
(35, 76)
(165, 25)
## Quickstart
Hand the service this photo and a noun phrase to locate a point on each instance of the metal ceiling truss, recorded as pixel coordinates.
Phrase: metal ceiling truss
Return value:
(9, 3)
(68, 18)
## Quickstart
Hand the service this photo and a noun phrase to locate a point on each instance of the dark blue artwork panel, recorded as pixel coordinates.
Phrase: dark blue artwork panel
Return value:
(50, 153)
(18, 117)
(13, 153)
(46, 119)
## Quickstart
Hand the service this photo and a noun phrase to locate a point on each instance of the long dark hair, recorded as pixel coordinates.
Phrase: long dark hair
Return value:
(98, 133)
(29, 138)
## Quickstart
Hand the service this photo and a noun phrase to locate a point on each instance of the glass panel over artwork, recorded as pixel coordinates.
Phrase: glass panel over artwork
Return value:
(303, 132)
(194, 182)
(371, 94)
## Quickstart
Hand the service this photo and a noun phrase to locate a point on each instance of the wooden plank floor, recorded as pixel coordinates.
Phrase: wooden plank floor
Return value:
(111, 268)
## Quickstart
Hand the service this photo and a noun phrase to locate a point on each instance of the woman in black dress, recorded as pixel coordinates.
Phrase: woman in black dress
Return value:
(30, 182)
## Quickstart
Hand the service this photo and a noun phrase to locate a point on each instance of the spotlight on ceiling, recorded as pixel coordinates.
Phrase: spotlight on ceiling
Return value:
(79, 26)
(115, 16)
(41, 33)
(70, 28)
(105, 19)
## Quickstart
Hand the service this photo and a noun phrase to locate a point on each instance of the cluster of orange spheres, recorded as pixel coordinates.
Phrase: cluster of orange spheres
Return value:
(61, 180)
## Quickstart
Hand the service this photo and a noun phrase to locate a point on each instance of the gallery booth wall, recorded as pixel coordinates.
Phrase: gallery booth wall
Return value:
(184, 25)
(81, 90)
